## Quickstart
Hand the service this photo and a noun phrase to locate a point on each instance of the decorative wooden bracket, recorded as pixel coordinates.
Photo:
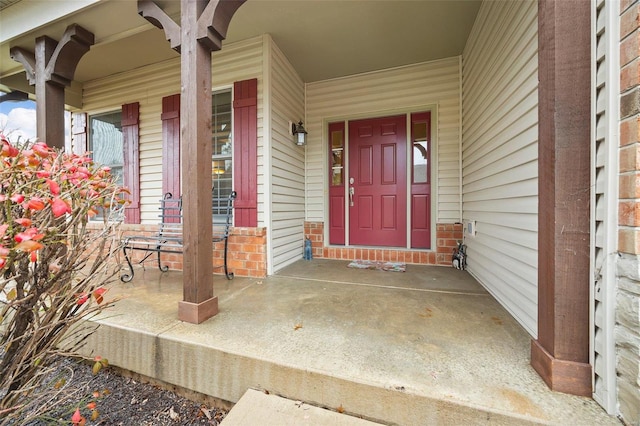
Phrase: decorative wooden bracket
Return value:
(212, 24)
(154, 14)
(55, 61)
(51, 69)
(75, 42)
(28, 61)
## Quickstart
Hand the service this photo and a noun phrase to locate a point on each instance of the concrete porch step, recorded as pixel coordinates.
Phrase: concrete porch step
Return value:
(427, 346)
(258, 408)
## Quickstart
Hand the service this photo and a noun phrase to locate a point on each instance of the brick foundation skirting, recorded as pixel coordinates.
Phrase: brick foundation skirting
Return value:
(247, 251)
(447, 237)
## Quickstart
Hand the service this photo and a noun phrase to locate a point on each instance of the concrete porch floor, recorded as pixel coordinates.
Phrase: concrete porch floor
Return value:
(427, 346)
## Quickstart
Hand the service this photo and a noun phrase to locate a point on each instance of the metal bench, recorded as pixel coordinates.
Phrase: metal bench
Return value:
(169, 236)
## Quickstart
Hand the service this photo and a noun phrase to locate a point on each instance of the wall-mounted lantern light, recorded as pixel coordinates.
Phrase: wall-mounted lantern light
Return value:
(299, 133)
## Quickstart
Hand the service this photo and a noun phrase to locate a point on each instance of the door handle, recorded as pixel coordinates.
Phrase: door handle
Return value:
(352, 191)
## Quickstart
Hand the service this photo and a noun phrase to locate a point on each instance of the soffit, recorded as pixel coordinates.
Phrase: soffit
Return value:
(321, 38)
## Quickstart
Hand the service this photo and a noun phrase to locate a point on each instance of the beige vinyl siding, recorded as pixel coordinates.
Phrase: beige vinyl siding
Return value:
(286, 99)
(604, 213)
(148, 85)
(500, 154)
(432, 85)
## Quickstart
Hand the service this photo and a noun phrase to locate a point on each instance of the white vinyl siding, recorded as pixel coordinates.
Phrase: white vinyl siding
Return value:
(286, 100)
(604, 214)
(432, 85)
(148, 85)
(500, 154)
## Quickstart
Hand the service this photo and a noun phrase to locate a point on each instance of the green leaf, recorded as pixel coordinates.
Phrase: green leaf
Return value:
(12, 294)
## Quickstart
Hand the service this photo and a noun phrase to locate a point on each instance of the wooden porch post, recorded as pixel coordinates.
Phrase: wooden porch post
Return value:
(199, 303)
(51, 69)
(561, 353)
(203, 26)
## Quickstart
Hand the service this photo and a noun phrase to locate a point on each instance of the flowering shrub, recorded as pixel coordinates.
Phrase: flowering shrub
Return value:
(53, 267)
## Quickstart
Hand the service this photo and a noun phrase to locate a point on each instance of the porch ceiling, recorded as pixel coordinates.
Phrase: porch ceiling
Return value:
(322, 38)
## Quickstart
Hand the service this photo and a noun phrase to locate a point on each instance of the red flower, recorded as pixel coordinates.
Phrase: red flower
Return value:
(3, 229)
(53, 187)
(32, 160)
(43, 173)
(9, 150)
(17, 198)
(41, 149)
(59, 207)
(29, 246)
(28, 234)
(77, 418)
(23, 221)
(35, 203)
(82, 299)
(97, 294)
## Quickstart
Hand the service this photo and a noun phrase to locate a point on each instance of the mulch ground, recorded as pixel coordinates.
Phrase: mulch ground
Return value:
(117, 400)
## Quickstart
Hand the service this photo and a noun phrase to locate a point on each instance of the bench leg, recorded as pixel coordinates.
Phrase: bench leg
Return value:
(125, 278)
(228, 274)
(164, 268)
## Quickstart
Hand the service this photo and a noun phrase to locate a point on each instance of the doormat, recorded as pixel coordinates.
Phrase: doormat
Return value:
(381, 266)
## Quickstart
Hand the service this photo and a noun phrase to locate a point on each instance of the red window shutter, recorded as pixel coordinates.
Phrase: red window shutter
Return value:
(131, 141)
(79, 132)
(245, 152)
(171, 145)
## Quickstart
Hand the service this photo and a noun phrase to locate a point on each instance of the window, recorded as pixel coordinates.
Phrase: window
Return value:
(222, 154)
(420, 151)
(106, 144)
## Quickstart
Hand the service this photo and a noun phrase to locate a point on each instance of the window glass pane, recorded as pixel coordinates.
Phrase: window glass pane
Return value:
(106, 144)
(337, 141)
(420, 154)
(419, 131)
(222, 157)
(337, 158)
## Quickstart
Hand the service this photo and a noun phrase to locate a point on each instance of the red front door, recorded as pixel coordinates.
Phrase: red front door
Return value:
(378, 182)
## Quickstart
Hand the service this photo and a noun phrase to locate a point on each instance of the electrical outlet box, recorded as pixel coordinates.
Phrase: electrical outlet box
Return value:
(469, 228)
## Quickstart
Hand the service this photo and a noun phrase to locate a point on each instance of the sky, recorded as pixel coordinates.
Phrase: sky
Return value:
(18, 120)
